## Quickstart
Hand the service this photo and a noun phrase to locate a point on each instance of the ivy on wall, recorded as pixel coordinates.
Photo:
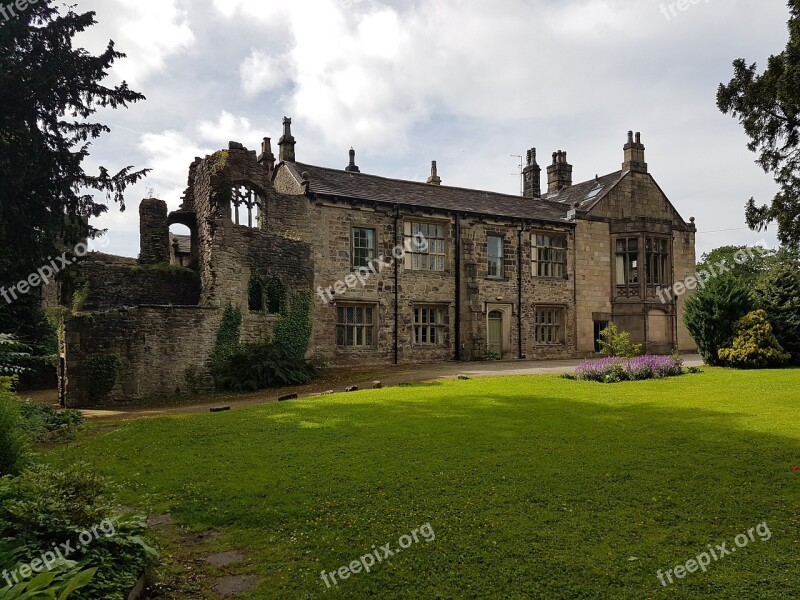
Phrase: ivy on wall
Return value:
(101, 372)
(246, 367)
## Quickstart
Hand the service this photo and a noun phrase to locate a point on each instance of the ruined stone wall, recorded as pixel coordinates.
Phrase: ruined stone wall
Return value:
(156, 348)
(117, 284)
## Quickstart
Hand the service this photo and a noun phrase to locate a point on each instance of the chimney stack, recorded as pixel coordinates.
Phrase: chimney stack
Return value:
(267, 158)
(434, 179)
(287, 142)
(559, 174)
(352, 168)
(532, 177)
(634, 154)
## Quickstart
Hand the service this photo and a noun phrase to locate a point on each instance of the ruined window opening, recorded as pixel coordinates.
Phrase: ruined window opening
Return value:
(245, 198)
(256, 294)
(276, 297)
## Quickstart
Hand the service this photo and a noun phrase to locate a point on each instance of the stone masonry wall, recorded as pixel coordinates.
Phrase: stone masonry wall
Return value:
(120, 284)
(155, 348)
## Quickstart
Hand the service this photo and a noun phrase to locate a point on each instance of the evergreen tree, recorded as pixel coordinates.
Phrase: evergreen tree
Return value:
(779, 295)
(49, 91)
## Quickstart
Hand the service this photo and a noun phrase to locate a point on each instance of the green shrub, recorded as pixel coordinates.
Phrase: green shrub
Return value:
(45, 505)
(754, 345)
(13, 356)
(618, 343)
(13, 441)
(259, 366)
(281, 362)
(44, 423)
(779, 295)
(60, 581)
(711, 313)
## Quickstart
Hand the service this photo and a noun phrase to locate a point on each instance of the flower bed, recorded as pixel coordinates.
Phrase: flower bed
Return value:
(615, 369)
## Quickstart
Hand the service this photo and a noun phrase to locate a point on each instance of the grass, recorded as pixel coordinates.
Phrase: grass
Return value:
(536, 487)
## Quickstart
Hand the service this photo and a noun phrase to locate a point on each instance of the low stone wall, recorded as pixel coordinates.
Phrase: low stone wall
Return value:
(113, 285)
(159, 351)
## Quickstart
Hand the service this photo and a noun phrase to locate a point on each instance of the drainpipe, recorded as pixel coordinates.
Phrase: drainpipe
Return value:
(519, 290)
(458, 356)
(396, 292)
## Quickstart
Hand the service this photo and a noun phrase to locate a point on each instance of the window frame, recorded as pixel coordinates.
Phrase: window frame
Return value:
(498, 260)
(659, 258)
(628, 268)
(554, 259)
(438, 328)
(554, 322)
(373, 251)
(346, 326)
(436, 252)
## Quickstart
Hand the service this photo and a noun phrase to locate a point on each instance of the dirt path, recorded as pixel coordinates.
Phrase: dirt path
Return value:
(338, 380)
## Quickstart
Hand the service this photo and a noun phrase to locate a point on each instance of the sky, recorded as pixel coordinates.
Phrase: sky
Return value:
(471, 84)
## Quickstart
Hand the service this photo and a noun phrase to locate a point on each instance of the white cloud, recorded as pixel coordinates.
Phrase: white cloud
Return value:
(148, 31)
(169, 153)
(261, 72)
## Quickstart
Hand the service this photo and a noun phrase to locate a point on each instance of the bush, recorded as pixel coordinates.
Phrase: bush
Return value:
(13, 356)
(13, 441)
(281, 362)
(711, 313)
(618, 343)
(259, 366)
(44, 423)
(46, 506)
(616, 369)
(754, 345)
(779, 295)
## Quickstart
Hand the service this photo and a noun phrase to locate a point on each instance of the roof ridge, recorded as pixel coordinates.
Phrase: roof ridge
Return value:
(423, 184)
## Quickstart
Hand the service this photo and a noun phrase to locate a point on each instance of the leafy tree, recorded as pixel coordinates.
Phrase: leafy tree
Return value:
(747, 264)
(711, 313)
(49, 91)
(754, 345)
(618, 343)
(779, 295)
(768, 108)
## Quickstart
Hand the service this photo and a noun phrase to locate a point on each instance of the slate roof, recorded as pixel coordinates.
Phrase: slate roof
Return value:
(360, 186)
(184, 243)
(588, 193)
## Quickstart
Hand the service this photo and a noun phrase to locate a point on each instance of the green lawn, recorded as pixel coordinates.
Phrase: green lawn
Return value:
(536, 487)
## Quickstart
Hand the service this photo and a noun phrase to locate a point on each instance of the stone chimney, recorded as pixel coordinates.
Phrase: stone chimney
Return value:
(287, 142)
(559, 174)
(267, 158)
(352, 168)
(634, 154)
(434, 179)
(532, 177)
(153, 232)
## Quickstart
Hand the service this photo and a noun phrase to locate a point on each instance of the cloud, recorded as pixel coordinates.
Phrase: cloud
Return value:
(148, 31)
(261, 72)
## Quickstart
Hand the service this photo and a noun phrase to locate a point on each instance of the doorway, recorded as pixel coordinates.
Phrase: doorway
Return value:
(494, 339)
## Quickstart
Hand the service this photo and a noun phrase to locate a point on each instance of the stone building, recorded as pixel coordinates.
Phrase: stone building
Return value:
(402, 271)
